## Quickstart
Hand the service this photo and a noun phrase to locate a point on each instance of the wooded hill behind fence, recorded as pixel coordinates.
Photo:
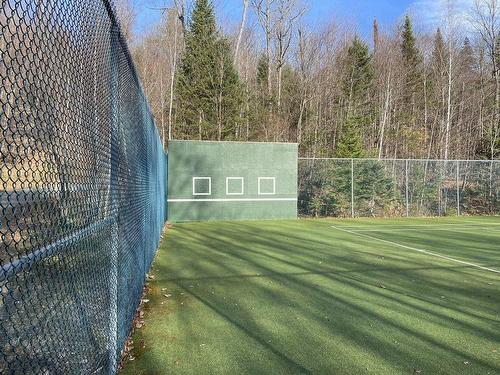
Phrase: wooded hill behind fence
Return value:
(398, 187)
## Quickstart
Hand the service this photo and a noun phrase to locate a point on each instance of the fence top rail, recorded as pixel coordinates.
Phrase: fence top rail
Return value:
(420, 160)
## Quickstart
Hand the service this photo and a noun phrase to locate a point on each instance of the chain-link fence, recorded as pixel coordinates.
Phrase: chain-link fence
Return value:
(385, 188)
(82, 187)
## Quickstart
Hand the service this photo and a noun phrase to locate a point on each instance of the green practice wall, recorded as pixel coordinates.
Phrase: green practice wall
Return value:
(274, 164)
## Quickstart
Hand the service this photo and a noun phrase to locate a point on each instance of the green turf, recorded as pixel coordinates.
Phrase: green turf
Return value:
(299, 297)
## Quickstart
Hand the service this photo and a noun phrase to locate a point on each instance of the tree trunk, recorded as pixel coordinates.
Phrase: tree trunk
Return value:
(172, 84)
(268, 48)
(242, 27)
(385, 115)
(280, 79)
(448, 103)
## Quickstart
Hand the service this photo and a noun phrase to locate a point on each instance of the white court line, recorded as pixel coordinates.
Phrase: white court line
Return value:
(455, 229)
(419, 250)
(235, 200)
(396, 226)
(480, 222)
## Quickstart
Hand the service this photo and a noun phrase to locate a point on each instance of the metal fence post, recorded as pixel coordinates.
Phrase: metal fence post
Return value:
(352, 188)
(113, 273)
(491, 181)
(406, 189)
(458, 188)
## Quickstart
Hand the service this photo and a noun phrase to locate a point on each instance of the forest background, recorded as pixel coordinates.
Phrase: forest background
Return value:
(426, 86)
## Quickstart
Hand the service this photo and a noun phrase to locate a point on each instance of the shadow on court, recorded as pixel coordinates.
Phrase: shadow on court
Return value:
(298, 297)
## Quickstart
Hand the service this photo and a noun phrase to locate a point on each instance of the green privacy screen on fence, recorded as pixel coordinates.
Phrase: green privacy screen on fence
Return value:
(231, 181)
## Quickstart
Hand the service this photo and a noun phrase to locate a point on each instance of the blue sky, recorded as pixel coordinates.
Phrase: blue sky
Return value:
(357, 12)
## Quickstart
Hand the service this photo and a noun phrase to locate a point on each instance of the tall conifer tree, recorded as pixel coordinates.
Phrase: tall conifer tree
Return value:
(356, 85)
(411, 55)
(209, 92)
(439, 59)
(412, 58)
(413, 88)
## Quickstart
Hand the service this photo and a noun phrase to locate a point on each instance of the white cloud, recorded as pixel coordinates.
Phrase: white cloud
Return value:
(435, 13)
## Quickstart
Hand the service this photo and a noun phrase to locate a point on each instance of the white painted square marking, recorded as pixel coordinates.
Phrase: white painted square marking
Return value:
(203, 193)
(242, 184)
(273, 179)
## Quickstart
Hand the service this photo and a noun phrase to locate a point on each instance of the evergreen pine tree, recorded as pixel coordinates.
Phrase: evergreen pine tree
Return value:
(356, 85)
(208, 88)
(350, 144)
(413, 87)
(412, 58)
(438, 66)
(228, 91)
(359, 74)
(411, 54)
(264, 100)
(376, 37)
(466, 57)
(439, 52)
(262, 66)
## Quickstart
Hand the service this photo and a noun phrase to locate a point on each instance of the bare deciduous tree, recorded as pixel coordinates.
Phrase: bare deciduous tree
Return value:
(241, 29)
(450, 111)
(126, 14)
(288, 13)
(485, 19)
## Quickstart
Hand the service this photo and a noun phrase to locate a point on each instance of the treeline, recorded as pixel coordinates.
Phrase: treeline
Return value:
(430, 95)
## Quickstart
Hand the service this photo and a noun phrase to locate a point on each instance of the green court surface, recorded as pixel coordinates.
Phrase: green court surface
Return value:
(366, 296)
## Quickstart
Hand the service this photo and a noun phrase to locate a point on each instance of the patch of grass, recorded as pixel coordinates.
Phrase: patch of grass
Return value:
(300, 297)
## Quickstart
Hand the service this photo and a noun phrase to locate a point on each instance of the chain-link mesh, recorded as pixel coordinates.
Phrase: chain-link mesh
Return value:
(378, 188)
(82, 187)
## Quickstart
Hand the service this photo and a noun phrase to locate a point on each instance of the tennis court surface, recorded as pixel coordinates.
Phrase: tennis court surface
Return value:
(384, 296)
